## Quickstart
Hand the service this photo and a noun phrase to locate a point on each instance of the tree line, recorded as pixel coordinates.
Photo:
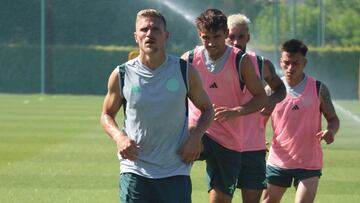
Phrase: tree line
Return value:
(83, 22)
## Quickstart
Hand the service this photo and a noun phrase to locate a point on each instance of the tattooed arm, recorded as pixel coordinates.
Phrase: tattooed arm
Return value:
(328, 110)
(278, 90)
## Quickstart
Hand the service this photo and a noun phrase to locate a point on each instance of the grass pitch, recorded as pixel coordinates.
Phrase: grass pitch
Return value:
(52, 149)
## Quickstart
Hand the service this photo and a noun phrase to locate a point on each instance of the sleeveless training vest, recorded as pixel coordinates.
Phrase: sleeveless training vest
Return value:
(295, 122)
(155, 117)
(223, 90)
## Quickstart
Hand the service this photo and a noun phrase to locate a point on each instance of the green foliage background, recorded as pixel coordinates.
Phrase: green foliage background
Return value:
(342, 22)
(75, 28)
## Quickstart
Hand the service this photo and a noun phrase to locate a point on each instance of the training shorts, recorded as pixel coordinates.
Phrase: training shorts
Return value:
(253, 170)
(222, 166)
(138, 189)
(284, 177)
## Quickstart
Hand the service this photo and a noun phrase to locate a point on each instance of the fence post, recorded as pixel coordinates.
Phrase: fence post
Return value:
(42, 48)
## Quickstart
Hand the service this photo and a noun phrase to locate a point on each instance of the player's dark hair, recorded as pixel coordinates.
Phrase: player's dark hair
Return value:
(211, 20)
(294, 46)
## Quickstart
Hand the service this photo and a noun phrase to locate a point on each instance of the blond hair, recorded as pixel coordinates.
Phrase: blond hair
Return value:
(238, 19)
(151, 13)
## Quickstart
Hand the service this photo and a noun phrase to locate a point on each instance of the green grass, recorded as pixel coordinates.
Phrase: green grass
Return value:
(52, 149)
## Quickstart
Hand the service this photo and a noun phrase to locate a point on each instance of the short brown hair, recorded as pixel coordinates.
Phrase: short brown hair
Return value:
(211, 20)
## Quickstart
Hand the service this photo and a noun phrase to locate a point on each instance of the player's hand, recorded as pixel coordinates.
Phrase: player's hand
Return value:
(191, 149)
(127, 148)
(326, 135)
(225, 113)
(268, 109)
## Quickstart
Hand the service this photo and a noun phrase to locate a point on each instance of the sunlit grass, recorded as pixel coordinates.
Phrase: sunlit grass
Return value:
(52, 149)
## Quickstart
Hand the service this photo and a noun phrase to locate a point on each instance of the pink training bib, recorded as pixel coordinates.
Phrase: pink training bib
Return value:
(295, 122)
(223, 88)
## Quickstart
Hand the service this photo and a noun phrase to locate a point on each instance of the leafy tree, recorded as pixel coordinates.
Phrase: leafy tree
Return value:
(342, 20)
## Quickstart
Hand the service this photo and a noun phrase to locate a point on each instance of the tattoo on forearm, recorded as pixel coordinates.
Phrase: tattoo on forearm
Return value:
(272, 72)
(327, 106)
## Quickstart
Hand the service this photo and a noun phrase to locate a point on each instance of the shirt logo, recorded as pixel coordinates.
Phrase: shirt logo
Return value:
(296, 107)
(135, 89)
(214, 85)
(232, 188)
(172, 85)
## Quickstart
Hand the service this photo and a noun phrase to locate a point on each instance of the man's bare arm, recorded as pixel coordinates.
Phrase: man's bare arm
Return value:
(254, 85)
(278, 90)
(112, 103)
(328, 110)
(192, 148)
